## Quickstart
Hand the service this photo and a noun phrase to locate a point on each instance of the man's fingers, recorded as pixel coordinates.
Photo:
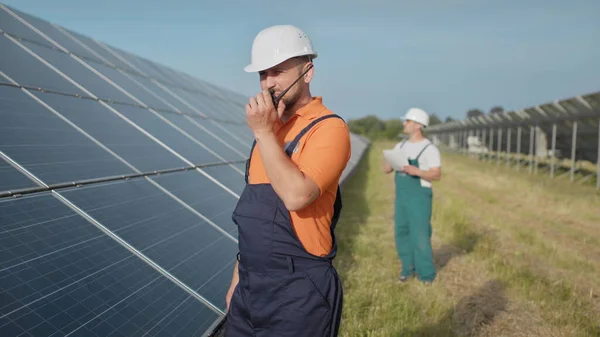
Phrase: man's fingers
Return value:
(280, 108)
(261, 100)
(252, 103)
(266, 96)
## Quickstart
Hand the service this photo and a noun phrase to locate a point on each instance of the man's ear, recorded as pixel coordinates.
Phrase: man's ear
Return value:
(309, 75)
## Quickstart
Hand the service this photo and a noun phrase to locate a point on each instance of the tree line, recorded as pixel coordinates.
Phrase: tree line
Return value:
(375, 128)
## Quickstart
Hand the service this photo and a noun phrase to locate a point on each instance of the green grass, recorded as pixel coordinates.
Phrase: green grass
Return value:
(499, 270)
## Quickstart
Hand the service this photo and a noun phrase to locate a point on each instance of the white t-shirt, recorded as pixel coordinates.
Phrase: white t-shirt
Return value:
(430, 158)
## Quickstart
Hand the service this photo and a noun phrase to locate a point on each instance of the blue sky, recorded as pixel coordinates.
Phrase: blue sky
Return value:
(379, 58)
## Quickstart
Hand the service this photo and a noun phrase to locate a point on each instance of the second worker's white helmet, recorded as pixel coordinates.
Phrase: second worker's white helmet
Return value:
(417, 115)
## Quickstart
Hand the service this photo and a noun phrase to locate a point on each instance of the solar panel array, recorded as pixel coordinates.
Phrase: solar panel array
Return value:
(553, 118)
(118, 177)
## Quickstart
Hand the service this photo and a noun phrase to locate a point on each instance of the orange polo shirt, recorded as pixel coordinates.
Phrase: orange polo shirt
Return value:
(322, 155)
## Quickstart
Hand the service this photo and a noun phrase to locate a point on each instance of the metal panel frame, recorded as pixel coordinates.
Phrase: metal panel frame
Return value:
(575, 110)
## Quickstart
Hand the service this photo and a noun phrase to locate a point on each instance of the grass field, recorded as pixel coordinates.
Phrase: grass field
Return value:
(517, 255)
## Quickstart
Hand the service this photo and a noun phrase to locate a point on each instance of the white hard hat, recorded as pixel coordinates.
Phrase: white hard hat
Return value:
(276, 44)
(417, 115)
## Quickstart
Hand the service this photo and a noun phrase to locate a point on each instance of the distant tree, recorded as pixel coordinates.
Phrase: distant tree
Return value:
(393, 128)
(449, 119)
(369, 126)
(434, 119)
(375, 128)
(496, 110)
(474, 113)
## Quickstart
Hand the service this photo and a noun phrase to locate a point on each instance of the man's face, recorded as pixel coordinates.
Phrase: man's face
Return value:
(410, 127)
(282, 76)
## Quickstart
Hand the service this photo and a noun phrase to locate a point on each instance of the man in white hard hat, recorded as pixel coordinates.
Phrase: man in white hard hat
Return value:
(413, 202)
(284, 283)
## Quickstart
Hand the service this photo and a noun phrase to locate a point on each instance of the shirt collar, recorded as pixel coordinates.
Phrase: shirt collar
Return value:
(312, 109)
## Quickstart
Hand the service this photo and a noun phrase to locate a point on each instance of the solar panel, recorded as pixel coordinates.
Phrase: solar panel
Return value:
(47, 146)
(118, 178)
(62, 276)
(584, 110)
(11, 178)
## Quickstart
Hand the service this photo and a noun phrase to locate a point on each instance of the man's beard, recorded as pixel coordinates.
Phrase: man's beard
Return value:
(290, 100)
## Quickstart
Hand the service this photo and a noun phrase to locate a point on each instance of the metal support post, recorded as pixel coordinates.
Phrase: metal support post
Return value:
(518, 148)
(573, 147)
(508, 131)
(553, 150)
(499, 147)
(467, 133)
(536, 154)
(531, 140)
(484, 144)
(491, 143)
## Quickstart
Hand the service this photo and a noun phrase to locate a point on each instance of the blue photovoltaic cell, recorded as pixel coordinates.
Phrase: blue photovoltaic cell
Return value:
(232, 111)
(114, 132)
(13, 26)
(170, 136)
(173, 236)
(25, 69)
(203, 195)
(245, 135)
(227, 176)
(46, 145)
(199, 129)
(154, 70)
(228, 133)
(101, 51)
(10, 178)
(202, 102)
(242, 168)
(79, 73)
(143, 66)
(17, 28)
(131, 87)
(61, 275)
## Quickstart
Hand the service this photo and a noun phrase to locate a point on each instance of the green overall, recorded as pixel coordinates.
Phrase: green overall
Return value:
(413, 226)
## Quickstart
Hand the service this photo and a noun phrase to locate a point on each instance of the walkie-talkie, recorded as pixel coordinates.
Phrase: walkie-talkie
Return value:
(278, 98)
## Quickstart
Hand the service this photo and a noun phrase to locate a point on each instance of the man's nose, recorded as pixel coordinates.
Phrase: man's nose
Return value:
(270, 82)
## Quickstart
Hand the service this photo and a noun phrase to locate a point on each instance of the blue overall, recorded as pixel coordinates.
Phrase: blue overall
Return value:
(283, 290)
(413, 226)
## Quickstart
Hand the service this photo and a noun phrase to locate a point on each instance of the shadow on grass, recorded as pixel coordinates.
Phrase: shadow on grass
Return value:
(355, 211)
(443, 255)
(463, 241)
(470, 315)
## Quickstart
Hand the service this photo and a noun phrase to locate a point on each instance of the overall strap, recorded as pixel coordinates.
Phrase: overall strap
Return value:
(248, 161)
(420, 153)
(290, 146)
(289, 149)
(337, 205)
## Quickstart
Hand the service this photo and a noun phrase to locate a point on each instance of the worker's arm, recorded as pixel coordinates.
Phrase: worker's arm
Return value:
(434, 160)
(234, 281)
(434, 173)
(297, 186)
(387, 168)
(295, 189)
